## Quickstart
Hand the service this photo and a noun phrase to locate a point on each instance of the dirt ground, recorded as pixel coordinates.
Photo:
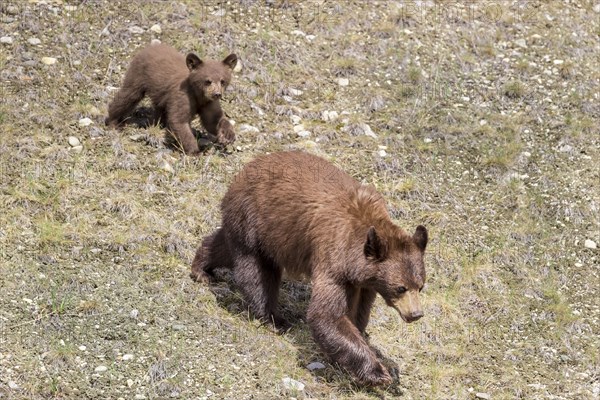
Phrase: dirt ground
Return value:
(479, 120)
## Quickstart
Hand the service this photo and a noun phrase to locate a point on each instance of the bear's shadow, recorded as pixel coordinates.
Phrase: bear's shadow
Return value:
(294, 298)
(145, 117)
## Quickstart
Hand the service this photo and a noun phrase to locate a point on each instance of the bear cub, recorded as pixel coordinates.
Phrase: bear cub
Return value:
(179, 87)
(297, 212)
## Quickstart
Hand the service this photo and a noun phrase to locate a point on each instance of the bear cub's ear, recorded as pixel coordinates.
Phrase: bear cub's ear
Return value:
(375, 246)
(420, 237)
(193, 61)
(230, 61)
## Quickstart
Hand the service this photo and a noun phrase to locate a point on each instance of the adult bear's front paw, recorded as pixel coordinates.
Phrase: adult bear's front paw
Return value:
(378, 375)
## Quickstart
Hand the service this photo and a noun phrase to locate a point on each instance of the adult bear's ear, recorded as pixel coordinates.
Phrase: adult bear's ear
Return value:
(420, 237)
(230, 61)
(375, 246)
(193, 61)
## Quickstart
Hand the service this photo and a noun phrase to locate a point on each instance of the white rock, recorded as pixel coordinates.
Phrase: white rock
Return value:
(590, 244)
(129, 382)
(77, 149)
(298, 128)
(343, 81)
(248, 128)
(13, 385)
(315, 365)
(101, 368)
(565, 148)
(70, 8)
(482, 122)
(295, 92)
(48, 60)
(298, 33)
(6, 40)
(292, 384)
(368, 131)
(128, 357)
(484, 396)
(303, 134)
(156, 28)
(382, 153)
(238, 66)
(155, 42)
(85, 122)
(329, 116)
(82, 348)
(310, 38)
(136, 30)
(134, 313)
(73, 141)
(558, 62)
(427, 140)
(167, 167)
(597, 8)
(295, 119)
(34, 41)
(521, 43)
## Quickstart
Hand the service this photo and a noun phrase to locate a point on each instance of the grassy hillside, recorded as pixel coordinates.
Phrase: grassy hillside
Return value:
(479, 121)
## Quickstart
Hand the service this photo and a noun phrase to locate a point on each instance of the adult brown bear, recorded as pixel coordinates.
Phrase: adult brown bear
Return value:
(297, 212)
(179, 87)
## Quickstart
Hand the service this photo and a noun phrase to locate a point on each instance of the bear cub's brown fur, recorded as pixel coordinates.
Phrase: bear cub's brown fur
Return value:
(179, 87)
(297, 212)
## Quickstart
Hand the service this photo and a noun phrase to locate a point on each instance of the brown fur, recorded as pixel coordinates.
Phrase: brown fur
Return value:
(298, 212)
(179, 87)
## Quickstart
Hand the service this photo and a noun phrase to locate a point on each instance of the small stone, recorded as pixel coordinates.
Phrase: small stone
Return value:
(303, 134)
(367, 131)
(34, 41)
(484, 396)
(136, 30)
(167, 167)
(295, 119)
(295, 92)
(82, 348)
(70, 8)
(248, 128)
(521, 43)
(298, 128)
(48, 60)
(310, 38)
(590, 244)
(427, 140)
(343, 81)
(85, 122)
(558, 62)
(298, 33)
(382, 153)
(292, 384)
(565, 148)
(596, 8)
(73, 141)
(315, 365)
(77, 149)
(178, 327)
(101, 368)
(13, 385)
(578, 264)
(155, 42)
(128, 357)
(329, 116)
(6, 40)
(156, 28)
(482, 122)
(129, 382)
(134, 313)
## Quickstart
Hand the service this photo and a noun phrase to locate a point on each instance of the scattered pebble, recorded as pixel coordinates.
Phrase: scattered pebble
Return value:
(329, 116)
(128, 357)
(85, 122)
(590, 244)
(343, 81)
(315, 365)
(82, 348)
(48, 60)
(382, 153)
(156, 28)
(298, 128)
(136, 30)
(6, 40)
(101, 368)
(298, 33)
(134, 313)
(248, 128)
(596, 8)
(484, 396)
(34, 41)
(295, 92)
(155, 42)
(129, 382)
(295, 119)
(73, 141)
(310, 38)
(77, 149)
(167, 167)
(367, 131)
(303, 133)
(558, 62)
(13, 385)
(521, 43)
(427, 140)
(292, 384)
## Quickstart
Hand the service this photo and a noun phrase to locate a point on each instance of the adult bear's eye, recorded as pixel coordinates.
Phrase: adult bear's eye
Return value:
(208, 81)
(400, 290)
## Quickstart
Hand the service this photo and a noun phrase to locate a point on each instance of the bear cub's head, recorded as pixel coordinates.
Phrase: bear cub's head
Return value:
(399, 270)
(210, 78)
